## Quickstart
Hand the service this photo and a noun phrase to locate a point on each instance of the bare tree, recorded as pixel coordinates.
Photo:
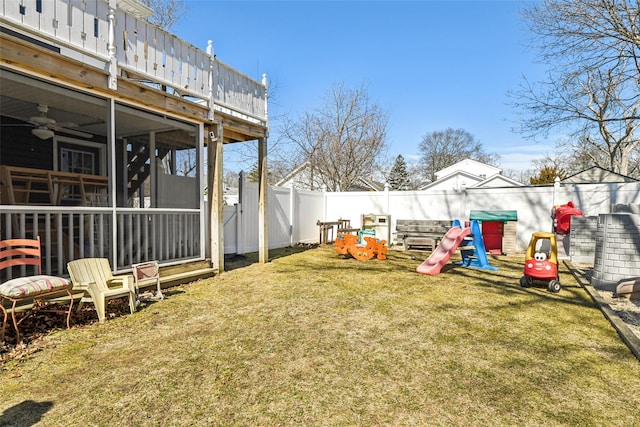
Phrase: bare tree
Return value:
(441, 149)
(341, 140)
(591, 90)
(166, 12)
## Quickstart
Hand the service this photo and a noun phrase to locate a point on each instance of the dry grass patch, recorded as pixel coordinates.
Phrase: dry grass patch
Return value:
(315, 339)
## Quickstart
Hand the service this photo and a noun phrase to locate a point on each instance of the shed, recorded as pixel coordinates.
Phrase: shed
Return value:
(498, 230)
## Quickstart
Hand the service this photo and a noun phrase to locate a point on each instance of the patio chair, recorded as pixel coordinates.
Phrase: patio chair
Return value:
(94, 277)
(28, 294)
(147, 274)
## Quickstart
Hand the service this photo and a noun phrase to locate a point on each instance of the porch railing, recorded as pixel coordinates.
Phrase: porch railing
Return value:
(70, 233)
(165, 235)
(148, 53)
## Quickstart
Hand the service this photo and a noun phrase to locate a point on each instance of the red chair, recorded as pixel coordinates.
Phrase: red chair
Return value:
(28, 294)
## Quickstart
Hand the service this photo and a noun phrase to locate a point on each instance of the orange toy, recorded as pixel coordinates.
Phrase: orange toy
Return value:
(348, 243)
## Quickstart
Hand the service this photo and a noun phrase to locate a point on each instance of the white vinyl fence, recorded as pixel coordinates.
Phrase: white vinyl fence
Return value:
(293, 214)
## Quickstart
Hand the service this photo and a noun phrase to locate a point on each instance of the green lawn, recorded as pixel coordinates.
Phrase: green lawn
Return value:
(313, 338)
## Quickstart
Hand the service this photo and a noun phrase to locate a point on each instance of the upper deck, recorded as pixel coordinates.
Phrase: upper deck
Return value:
(113, 35)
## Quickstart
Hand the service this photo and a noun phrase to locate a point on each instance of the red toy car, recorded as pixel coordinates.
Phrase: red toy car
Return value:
(541, 262)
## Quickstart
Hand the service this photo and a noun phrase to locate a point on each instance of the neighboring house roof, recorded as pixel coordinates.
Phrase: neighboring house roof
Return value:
(291, 175)
(454, 181)
(596, 175)
(299, 178)
(498, 180)
(470, 174)
(464, 174)
(365, 184)
(474, 167)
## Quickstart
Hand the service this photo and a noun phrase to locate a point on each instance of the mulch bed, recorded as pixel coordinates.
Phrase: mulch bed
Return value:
(35, 328)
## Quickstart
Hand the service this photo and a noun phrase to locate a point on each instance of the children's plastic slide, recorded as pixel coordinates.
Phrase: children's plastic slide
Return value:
(440, 256)
(476, 254)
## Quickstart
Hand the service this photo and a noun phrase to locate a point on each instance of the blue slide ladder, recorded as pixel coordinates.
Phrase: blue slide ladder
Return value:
(473, 251)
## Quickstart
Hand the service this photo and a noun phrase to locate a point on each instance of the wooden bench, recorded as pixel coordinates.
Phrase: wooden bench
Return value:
(423, 233)
(28, 186)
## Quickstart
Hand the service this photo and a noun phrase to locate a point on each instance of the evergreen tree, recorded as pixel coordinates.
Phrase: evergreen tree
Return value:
(398, 178)
(547, 175)
(253, 175)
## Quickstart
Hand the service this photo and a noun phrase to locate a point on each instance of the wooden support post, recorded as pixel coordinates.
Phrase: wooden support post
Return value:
(263, 236)
(216, 200)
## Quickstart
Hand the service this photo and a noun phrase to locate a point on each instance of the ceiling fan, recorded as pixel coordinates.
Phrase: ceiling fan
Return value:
(46, 125)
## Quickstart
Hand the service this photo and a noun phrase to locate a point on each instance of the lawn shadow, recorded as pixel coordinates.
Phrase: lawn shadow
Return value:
(26, 413)
(505, 281)
(235, 261)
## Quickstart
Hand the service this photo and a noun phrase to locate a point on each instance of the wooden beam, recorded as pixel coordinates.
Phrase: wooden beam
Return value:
(159, 101)
(231, 137)
(215, 175)
(263, 235)
(240, 131)
(50, 65)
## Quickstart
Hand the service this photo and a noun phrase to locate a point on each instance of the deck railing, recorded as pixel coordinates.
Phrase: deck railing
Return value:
(167, 236)
(81, 29)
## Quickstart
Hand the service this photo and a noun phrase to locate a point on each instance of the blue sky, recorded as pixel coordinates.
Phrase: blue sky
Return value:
(430, 64)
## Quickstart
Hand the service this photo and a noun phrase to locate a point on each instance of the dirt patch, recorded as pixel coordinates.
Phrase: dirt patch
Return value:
(628, 310)
(622, 312)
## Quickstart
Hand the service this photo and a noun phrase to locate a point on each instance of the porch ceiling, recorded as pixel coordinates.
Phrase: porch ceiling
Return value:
(20, 97)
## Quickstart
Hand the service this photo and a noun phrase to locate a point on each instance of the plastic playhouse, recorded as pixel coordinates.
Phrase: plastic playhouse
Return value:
(541, 262)
(561, 215)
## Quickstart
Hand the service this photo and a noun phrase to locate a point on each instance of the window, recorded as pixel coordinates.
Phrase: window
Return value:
(77, 161)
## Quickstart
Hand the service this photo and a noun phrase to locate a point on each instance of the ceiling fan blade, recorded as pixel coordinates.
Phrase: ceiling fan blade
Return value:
(70, 131)
(66, 124)
(74, 132)
(41, 121)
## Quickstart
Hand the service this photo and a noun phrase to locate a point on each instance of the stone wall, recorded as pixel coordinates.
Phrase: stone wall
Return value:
(617, 250)
(582, 244)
